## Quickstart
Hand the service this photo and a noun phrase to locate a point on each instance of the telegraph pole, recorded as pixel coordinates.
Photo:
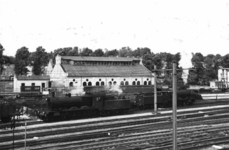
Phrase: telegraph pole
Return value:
(174, 115)
(155, 89)
(174, 107)
(25, 133)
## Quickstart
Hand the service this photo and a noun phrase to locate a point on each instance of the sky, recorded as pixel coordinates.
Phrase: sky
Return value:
(185, 26)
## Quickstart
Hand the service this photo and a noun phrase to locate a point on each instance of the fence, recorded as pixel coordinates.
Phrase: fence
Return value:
(215, 96)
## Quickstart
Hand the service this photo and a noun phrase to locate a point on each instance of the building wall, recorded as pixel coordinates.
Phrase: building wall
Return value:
(223, 75)
(99, 81)
(18, 83)
(219, 84)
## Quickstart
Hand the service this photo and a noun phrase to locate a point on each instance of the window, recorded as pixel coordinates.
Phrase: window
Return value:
(145, 83)
(84, 83)
(71, 84)
(126, 83)
(114, 82)
(138, 83)
(97, 83)
(43, 85)
(149, 83)
(110, 83)
(89, 84)
(33, 84)
(121, 83)
(23, 84)
(133, 83)
(50, 84)
(102, 83)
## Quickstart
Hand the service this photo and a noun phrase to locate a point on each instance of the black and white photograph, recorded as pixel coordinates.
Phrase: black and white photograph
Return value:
(114, 74)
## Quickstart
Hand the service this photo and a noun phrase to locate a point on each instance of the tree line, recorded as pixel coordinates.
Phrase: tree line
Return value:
(205, 66)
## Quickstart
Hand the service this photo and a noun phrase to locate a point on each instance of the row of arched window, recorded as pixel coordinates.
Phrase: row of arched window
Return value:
(112, 83)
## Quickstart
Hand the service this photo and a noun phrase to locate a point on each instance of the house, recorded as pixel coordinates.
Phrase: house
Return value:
(223, 79)
(20, 82)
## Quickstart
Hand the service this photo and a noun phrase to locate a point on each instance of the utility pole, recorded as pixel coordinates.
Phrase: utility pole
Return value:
(155, 89)
(174, 107)
(174, 115)
(25, 133)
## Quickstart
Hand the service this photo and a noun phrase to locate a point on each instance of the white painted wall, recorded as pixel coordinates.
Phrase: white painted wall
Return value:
(78, 81)
(17, 83)
(106, 80)
(223, 74)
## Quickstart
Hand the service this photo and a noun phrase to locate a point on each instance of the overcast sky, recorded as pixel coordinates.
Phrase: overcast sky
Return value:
(173, 26)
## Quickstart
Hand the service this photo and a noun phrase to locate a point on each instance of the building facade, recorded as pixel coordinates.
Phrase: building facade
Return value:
(77, 71)
(27, 81)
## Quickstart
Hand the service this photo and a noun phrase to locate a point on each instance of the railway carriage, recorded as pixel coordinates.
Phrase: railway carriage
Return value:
(164, 98)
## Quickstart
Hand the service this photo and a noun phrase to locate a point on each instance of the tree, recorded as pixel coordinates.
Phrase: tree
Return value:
(148, 62)
(177, 58)
(73, 52)
(211, 70)
(197, 62)
(1, 58)
(98, 52)
(40, 60)
(139, 52)
(125, 51)
(225, 61)
(157, 61)
(112, 53)
(8, 59)
(21, 61)
(86, 52)
(62, 51)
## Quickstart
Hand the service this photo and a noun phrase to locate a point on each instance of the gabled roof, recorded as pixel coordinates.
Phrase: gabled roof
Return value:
(33, 77)
(106, 70)
(104, 59)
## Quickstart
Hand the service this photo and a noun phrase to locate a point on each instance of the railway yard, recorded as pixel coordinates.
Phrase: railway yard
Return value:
(205, 125)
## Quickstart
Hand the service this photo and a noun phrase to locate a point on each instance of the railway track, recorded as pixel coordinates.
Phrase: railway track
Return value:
(161, 138)
(98, 130)
(201, 103)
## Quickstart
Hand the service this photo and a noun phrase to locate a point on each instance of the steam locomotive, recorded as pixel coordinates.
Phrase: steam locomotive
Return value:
(65, 108)
(89, 105)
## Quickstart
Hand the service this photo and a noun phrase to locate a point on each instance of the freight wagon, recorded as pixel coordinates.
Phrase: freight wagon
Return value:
(7, 111)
